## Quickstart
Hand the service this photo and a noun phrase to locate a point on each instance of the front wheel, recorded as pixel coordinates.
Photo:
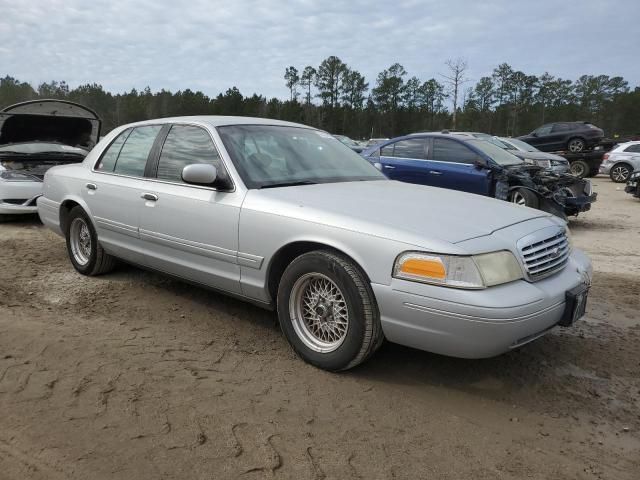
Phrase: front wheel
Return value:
(524, 198)
(85, 252)
(328, 312)
(576, 145)
(620, 173)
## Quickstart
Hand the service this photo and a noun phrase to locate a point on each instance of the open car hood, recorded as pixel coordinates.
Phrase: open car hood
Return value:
(55, 121)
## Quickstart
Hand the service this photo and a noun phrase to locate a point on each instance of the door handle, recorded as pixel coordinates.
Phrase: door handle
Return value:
(149, 196)
(91, 186)
(435, 172)
(390, 167)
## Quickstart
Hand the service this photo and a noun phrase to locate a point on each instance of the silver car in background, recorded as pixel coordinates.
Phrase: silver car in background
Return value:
(284, 216)
(620, 162)
(527, 152)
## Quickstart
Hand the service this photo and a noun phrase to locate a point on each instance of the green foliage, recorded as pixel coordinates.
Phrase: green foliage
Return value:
(507, 102)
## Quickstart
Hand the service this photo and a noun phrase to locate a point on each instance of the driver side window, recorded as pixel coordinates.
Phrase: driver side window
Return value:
(185, 145)
(544, 130)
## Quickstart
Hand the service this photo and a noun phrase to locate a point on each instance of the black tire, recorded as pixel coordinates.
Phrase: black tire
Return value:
(525, 198)
(576, 145)
(5, 218)
(579, 168)
(98, 261)
(363, 332)
(620, 172)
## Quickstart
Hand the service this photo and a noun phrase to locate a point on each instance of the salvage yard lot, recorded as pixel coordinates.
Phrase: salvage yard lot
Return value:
(133, 375)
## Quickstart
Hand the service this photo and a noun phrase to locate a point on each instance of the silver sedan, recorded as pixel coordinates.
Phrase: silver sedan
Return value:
(287, 217)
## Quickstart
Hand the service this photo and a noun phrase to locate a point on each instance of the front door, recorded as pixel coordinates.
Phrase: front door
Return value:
(190, 231)
(455, 163)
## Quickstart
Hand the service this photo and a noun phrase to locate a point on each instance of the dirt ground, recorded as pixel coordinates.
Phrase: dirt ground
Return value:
(135, 376)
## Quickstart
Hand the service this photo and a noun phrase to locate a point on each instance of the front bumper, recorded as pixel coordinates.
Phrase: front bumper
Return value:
(22, 196)
(477, 323)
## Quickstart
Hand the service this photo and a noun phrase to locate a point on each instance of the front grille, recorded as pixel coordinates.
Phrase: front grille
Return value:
(14, 201)
(544, 256)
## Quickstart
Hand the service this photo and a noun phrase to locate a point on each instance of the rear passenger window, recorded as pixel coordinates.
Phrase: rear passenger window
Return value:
(633, 148)
(451, 151)
(109, 157)
(133, 154)
(410, 148)
(184, 146)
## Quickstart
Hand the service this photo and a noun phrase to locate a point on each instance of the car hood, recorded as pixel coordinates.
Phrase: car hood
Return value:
(399, 211)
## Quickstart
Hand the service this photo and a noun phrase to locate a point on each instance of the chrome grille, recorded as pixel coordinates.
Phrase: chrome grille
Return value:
(544, 252)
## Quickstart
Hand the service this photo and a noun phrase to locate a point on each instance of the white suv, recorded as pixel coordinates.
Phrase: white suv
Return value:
(620, 162)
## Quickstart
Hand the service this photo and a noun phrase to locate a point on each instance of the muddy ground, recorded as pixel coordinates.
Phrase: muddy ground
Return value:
(135, 376)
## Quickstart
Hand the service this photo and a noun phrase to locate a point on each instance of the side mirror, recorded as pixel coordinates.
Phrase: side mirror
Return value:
(199, 174)
(533, 134)
(480, 163)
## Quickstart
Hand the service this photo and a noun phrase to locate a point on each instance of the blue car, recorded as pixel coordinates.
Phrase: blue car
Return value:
(462, 162)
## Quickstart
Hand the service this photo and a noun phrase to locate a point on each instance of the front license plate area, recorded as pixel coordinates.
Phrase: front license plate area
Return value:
(575, 305)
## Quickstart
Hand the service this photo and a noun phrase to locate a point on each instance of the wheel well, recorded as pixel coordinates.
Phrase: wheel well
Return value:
(283, 257)
(65, 209)
(622, 162)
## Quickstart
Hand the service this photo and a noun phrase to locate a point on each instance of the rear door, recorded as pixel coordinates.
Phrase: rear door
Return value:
(112, 190)
(453, 166)
(406, 161)
(190, 230)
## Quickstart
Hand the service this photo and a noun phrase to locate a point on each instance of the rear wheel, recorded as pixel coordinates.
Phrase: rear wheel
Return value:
(524, 198)
(576, 145)
(85, 252)
(579, 168)
(328, 312)
(620, 173)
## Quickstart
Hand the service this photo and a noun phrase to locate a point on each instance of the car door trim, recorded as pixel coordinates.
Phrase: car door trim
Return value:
(203, 249)
(116, 226)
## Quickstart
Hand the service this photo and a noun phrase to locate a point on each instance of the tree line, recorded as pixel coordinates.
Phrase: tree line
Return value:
(336, 97)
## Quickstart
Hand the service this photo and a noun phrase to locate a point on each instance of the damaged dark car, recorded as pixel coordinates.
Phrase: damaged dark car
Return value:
(35, 136)
(477, 166)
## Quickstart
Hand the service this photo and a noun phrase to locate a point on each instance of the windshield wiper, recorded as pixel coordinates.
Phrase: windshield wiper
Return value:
(289, 184)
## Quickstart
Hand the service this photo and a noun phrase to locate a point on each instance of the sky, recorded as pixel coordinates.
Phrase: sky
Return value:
(211, 45)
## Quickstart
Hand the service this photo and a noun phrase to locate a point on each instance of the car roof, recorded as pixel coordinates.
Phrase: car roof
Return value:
(220, 121)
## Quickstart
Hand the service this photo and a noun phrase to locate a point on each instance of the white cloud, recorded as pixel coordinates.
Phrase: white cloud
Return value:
(212, 45)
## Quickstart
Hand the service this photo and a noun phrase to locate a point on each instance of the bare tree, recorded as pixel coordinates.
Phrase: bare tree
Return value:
(455, 79)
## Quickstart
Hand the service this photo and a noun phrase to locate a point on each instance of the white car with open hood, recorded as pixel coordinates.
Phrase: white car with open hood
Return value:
(34, 136)
(289, 218)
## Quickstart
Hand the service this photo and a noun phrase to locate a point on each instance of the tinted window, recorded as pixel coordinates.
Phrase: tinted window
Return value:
(410, 148)
(134, 152)
(562, 127)
(633, 148)
(109, 157)
(451, 151)
(185, 145)
(544, 130)
(387, 150)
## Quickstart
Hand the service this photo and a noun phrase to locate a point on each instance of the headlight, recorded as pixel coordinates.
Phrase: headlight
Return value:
(475, 271)
(11, 176)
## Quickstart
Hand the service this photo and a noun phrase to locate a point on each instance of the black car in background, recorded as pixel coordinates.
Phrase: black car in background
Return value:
(633, 184)
(564, 136)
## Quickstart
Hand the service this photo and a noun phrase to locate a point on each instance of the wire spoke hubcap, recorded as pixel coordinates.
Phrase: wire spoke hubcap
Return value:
(80, 240)
(319, 312)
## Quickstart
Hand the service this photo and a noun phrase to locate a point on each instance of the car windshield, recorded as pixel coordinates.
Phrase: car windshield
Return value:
(271, 156)
(32, 148)
(522, 146)
(497, 154)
